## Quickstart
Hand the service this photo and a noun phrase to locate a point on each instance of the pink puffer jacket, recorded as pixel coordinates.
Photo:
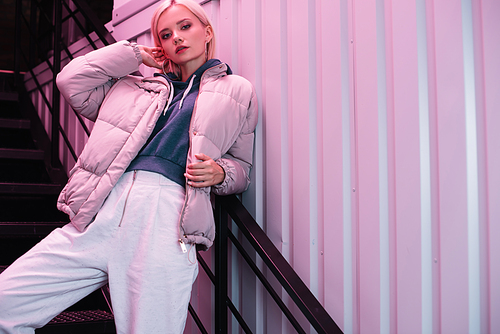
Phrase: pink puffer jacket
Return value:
(125, 109)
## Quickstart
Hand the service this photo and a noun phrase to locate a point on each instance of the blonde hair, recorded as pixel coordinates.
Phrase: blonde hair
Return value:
(197, 11)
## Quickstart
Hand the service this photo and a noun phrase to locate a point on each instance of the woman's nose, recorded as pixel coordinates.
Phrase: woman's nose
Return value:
(177, 39)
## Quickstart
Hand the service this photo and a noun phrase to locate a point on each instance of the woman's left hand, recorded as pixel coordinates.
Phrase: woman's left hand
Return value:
(151, 56)
(205, 173)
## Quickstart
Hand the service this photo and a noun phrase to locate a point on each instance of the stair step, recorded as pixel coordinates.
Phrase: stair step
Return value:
(7, 123)
(24, 154)
(9, 106)
(28, 228)
(30, 208)
(23, 171)
(81, 316)
(9, 96)
(75, 322)
(16, 138)
(30, 188)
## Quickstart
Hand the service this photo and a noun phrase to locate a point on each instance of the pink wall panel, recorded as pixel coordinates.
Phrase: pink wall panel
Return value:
(298, 54)
(479, 50)
(490, 27)
(272, 97)
(227, 34)
(275, 134)
(452, 167)
(366, 117)
(407, 166)
(389, 316)
(434, 165)
(330, 124)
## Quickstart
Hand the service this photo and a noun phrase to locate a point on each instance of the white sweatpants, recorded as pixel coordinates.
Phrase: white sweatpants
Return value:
(132, 243)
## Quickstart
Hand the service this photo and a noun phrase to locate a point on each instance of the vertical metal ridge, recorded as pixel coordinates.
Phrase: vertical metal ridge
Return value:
(472, 169)
(425, 172)
(350, 302)
(313, 150)
(383, 161)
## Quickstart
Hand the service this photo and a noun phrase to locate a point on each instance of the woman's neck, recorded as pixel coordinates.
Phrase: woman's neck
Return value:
(188, 69)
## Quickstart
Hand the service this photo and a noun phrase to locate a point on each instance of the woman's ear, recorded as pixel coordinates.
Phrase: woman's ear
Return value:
(209, 33)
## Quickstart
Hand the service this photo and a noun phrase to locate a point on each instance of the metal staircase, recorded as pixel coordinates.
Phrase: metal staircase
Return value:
(28, 192)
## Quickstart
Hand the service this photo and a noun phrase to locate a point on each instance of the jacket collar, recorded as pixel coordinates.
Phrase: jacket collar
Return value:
(216, 71)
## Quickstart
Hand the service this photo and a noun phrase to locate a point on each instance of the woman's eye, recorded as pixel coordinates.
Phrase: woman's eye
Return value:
(166, 36)
(186, 26)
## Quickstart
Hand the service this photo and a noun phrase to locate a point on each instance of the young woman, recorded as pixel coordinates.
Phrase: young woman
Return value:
(139, 194)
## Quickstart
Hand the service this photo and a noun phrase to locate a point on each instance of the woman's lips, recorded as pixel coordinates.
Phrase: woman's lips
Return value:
(180, 49)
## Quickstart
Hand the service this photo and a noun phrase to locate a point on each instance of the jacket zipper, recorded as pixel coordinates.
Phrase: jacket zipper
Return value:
(126, 199)
(181, 242)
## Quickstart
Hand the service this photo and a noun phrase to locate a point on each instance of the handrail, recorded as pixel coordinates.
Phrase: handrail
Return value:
(303, 298)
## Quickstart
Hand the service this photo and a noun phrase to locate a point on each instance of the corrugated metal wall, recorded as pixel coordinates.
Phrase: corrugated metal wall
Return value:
(377, 155)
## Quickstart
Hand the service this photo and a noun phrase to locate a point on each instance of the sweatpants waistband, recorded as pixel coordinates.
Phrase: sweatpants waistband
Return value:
(143, 176)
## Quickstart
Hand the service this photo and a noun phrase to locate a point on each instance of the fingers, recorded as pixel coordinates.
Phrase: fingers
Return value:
(205, 173)
(157, 54)
(202, 157)
(201, 180)
(152, 56)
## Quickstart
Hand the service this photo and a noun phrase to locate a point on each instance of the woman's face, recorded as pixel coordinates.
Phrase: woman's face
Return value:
(183, 37)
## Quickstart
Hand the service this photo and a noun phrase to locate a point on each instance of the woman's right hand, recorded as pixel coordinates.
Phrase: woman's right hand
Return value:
(152, 56)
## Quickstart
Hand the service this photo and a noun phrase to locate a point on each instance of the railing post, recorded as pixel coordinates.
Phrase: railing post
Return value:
(221, 219)
(17, 46)
(32, 53)
(55, 92)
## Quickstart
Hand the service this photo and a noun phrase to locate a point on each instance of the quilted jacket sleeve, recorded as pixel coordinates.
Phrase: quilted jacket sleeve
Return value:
(85, 81)
(237, 162)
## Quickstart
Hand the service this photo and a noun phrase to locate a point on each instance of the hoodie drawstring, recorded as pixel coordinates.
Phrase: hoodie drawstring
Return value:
(186, 92)
(170, 97)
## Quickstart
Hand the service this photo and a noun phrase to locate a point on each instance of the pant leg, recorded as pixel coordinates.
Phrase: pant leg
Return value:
(44, 282)
(150, 277)
(60, 270)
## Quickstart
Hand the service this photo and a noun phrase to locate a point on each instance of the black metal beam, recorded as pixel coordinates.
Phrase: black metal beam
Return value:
(99, 28)
(197, 319)
(220, 270)
(17, 41)
(56, 96)
(266, 284)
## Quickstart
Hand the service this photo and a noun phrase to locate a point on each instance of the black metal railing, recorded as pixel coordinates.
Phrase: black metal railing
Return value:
(46, 46)
(41, 23)
(230, 207)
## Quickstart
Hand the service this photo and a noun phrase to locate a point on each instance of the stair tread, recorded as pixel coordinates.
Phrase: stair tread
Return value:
(98, 322)
(9, 96)
(29, 188)
(9, 229)
(89, 321)
(12, 123)
(34, 223)
(21, 153)
(81, 316)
